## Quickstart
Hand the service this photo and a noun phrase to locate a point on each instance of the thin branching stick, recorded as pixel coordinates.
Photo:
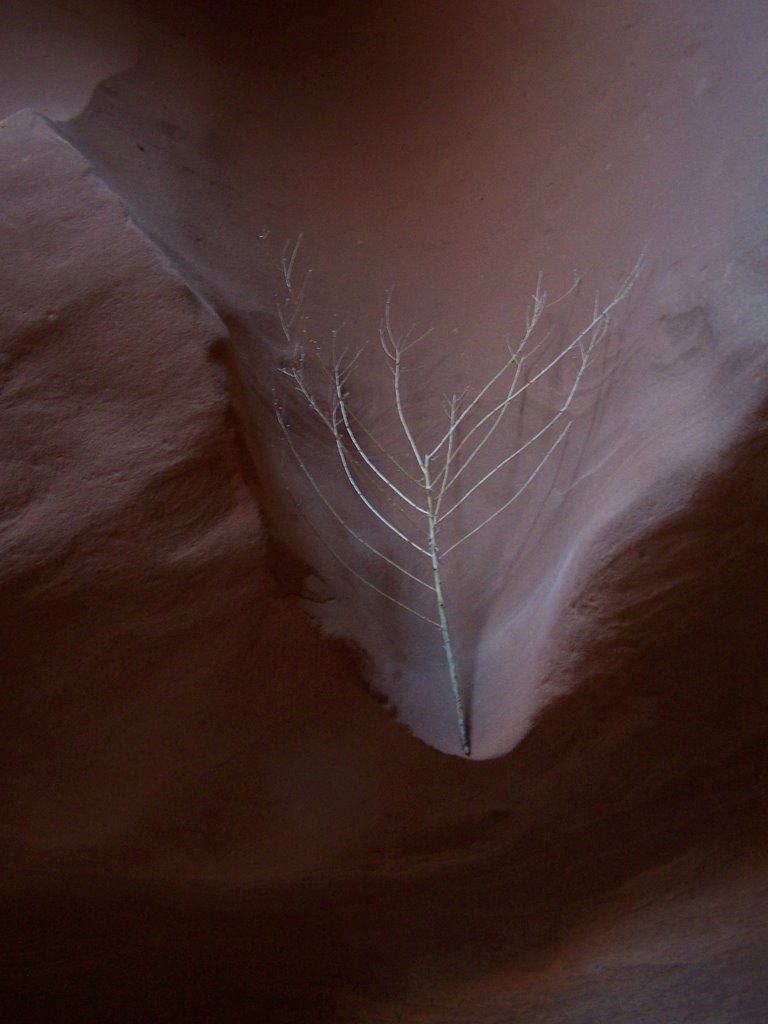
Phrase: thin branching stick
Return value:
(378, 476)
(339, 519)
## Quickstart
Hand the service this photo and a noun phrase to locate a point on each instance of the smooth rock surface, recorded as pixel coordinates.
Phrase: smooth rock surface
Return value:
(454, 160)
(206, 815)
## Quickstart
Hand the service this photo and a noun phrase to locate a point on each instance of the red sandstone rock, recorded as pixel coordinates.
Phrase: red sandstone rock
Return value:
(205, 815)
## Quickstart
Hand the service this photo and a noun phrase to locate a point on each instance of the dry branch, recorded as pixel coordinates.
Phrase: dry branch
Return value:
(423, 484)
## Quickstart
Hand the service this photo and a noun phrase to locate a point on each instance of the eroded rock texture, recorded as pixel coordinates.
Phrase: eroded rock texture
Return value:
(207, 813)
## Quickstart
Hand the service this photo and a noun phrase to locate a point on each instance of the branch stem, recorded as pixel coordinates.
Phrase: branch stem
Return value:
(434, 554)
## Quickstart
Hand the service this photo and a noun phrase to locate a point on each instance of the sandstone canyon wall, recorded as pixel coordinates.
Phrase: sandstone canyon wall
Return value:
(231, 790)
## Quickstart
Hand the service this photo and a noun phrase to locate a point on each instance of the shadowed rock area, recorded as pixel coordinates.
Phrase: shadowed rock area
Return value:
(229, 785)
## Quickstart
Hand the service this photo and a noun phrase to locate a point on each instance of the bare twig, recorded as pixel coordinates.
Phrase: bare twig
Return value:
(418, 495)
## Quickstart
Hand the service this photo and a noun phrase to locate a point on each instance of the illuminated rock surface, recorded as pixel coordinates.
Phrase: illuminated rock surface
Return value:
(207, 814)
